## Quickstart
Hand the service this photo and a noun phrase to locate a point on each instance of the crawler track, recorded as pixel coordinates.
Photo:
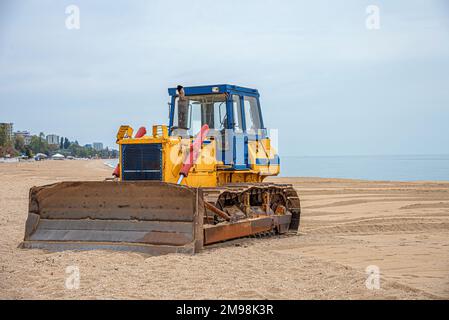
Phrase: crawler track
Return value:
(247, 201)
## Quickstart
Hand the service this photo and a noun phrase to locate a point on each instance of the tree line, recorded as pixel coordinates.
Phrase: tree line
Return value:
(38, 144)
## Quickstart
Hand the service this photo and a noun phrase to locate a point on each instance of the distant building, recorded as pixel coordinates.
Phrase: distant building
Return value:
(53, 139)
(26, 135)
(98, 146)
(8, 128)
(88, 146)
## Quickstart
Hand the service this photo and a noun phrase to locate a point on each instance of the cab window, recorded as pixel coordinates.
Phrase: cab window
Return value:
(195, 111)
(252, 114)
(237, 110)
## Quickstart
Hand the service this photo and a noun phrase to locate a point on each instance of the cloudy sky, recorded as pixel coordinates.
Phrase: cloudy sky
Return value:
(327, 82)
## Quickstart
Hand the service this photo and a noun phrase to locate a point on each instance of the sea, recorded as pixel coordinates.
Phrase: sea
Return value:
(380, 167)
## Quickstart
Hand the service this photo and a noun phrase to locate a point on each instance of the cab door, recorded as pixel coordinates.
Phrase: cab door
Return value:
(253, 126)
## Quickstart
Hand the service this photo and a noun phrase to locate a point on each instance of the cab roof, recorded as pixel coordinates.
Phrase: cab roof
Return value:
(214, 89)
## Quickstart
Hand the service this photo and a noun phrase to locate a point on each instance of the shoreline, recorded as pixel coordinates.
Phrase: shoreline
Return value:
(110, 165)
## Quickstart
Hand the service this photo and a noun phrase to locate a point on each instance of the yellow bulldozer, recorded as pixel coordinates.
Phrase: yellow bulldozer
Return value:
(196, 182)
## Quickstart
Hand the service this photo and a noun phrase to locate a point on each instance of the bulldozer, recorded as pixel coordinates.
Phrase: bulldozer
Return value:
(179, 188)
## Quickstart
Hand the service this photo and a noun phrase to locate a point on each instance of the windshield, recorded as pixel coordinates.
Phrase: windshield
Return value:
(192, 112)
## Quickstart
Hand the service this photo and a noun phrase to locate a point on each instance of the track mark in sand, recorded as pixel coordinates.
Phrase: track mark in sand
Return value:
(440, 191)
(382, 228)
(322, 213)
(388, 283)
(355, 196)
(439, 205)
(395, 284)
(354, 202)
(385, 220)
(337, 204)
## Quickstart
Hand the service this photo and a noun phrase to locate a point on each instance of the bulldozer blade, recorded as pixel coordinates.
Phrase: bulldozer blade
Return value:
(144, 216)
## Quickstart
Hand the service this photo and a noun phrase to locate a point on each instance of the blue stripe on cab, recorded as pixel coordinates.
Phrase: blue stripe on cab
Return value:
(265, 161)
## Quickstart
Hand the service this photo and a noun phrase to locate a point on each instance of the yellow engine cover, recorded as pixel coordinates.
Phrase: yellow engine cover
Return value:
(207, 170)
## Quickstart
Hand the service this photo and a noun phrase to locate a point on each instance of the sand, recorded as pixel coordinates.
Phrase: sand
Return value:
(401, 228)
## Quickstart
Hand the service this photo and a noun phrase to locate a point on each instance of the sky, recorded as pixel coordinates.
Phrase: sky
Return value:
(329, 84)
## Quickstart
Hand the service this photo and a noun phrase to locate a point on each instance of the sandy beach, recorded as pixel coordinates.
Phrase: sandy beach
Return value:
(401, 228)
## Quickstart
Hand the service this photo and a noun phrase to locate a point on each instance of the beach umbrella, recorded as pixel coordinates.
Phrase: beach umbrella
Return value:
(58, 156)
